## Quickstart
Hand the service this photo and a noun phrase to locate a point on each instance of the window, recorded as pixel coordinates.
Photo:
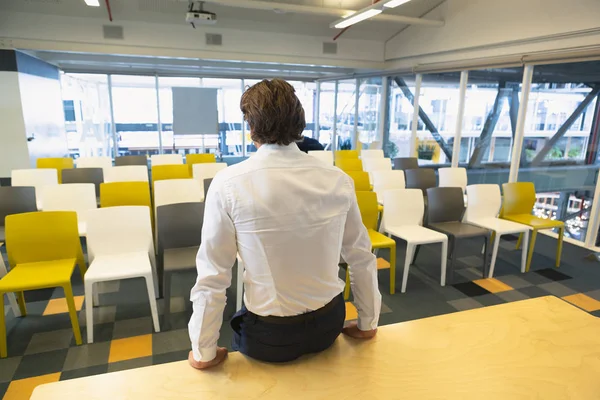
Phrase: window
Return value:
(326, 112)
(369, 111)
(402, 89)
(346, 105)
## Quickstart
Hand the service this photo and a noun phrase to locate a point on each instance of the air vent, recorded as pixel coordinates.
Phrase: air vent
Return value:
(329, 48)
(214, 39)
(113, 32)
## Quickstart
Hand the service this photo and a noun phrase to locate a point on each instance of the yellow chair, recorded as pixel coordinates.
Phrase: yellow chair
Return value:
(361, 180)
(175, 171)
(349, 164)
(57, 163)
(346, 154)
(519, 200)
(116, 194)
(191, 159)
(43, 249)
(367, 203)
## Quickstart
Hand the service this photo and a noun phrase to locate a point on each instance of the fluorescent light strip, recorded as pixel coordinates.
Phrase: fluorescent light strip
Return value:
(395, 3)
(92, 3)
(356, 18)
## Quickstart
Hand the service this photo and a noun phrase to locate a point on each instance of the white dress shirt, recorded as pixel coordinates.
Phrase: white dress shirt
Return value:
(289, 216)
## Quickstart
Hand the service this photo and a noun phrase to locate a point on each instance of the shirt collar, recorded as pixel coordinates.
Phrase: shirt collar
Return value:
(273, 148)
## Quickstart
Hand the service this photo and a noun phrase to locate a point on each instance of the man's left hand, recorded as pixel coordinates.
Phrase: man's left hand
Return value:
(220, 357)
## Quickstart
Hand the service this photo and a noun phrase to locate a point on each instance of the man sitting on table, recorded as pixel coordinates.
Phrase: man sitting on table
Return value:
(289, 217)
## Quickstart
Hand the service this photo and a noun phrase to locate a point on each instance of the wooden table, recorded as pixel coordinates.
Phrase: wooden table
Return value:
(541, 348)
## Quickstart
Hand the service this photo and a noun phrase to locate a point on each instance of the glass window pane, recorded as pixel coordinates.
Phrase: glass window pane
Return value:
(346, 104)
(326, 113)
(402, 89)
(369, 112)
(229, 140)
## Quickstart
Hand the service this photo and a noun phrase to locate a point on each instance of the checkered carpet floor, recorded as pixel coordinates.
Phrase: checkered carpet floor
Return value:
(42, 349)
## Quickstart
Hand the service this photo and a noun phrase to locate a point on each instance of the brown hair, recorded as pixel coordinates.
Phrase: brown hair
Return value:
(274, 113)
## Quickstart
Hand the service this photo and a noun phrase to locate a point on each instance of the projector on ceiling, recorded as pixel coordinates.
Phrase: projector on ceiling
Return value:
(197, 15)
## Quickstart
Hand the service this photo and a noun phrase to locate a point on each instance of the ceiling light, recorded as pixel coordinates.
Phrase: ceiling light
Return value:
(355, 18)
(92, 3)
(395, 3)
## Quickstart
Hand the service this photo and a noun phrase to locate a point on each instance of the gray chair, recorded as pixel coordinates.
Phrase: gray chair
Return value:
(15, 200)
(207, 183)
(84, 175)
(131, 160)
(420, 178)
(179, 237)
(444, 214)
(405, 163)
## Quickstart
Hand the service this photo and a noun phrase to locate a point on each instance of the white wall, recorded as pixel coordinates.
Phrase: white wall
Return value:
(53, 32)
(13, 141)
(477, 29)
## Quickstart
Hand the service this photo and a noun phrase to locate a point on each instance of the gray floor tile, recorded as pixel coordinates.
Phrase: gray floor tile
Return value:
(8, 366)
(102, 315)
(594, 294)
(514, 281)
(385, 309)
(87, 355)
(472, 261)
(132, 327)
(170, 341)
(130, 364)
(49, 341)
(469, 273)
(178, 304)
(108, 287)
(557, 289)
(490, 299)
(512, 295)
(465, 304)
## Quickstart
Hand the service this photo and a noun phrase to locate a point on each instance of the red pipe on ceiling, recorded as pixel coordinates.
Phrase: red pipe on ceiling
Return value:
(108, 9)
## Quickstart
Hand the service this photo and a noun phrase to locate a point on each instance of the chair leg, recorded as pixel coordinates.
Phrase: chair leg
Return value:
(167, 299)
(152, 300)
(561, 234)
(410, 248)
(444, 262)
(524, 251)
(22, 306)
(531, 247)
(89, 311)
(417, 248)
(347, 288)
(3, 346)
(494, 255)
(393, 269)
(12, 300)
(72, 312)
(519, 241)
(486, 247)
(452, 249)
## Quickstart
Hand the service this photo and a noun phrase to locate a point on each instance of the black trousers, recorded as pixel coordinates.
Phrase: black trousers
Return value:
(281, 339)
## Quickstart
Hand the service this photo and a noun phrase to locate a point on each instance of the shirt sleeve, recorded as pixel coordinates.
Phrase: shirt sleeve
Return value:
(356, 251)
(214, 262)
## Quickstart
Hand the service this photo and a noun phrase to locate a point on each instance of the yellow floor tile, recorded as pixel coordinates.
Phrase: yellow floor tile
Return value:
(23, 388)
(493, 285)
(584, 302)
(382, 264)
(351, 312)
(59, 306)
(129, 348)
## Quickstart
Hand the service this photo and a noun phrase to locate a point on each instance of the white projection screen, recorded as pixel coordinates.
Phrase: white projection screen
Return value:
(195, 111)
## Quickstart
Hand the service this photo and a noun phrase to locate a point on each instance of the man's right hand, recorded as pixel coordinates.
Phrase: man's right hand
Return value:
(353, 331)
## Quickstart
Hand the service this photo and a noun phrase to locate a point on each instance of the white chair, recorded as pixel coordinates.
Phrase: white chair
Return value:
(403, 218)
(375, 153)
(324, 155)
(126, 173)
(200, 172)
(387, 180)
(38, 178)
(166, 159)
(371, 165)
(120, 246)
(94, 162)
(453, 177)
(78, 197)
(483, 206)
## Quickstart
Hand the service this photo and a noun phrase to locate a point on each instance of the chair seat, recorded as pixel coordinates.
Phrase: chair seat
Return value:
(500, 226)
(533, 221)
(38, 275)
(379, 240)
(180, 259)
(415, 234)
(119, 266)
(459, 229)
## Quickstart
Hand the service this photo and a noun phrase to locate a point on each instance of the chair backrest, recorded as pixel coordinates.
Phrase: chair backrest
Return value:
(57, 163)
(388, 180)
(445, 204)
(180, 225)
(173, 191)
(207, 170)
(125, 194)
(94, 162)
(377, 164)
(170, 171)
(519, 198)
(361, 180)
(453, 177)
(84, 175)
(166, 159)
(483, 201)
(200, 158)
(375, 153)
(405, 163)
(131, 160)
(42, 236)
(403, 207)
(37, 178)
(16, 200)
(349, 164)
(346, 154)
(126, 173)
(367, 203)
(118, 230)
(207, 183)
(78, 197)
(324, 155)
(420, 178)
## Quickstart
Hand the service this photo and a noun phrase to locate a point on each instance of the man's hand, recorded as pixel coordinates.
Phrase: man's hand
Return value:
(221, 355)
(353, 331)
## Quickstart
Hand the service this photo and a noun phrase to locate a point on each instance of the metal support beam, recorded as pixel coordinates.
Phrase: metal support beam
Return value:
(113, 126)
(423, 115)
(592, 151)
(335, 104)
(520, 130)
(317, 104)
(160, 142)
(464, 79)
(386, 99)
(354, 139)
(539, 157)
(416, 108)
